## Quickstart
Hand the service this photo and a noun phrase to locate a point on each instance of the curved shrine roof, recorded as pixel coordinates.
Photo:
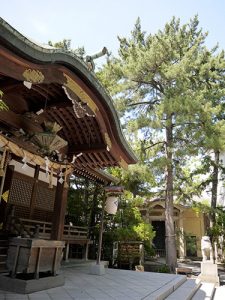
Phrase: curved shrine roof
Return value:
(50, 85)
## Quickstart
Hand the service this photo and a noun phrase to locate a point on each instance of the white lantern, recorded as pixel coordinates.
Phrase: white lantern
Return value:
(111, 205)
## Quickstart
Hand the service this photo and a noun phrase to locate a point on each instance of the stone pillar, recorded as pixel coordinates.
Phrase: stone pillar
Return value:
(86, 251)
(182, 246)
(209, 272)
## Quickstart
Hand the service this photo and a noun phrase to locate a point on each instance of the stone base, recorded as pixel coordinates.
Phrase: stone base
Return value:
(22, 286)
(209, 273)
(96, 269)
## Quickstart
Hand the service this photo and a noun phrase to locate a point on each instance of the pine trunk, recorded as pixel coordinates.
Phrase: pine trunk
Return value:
(214, 187)
(171, 252)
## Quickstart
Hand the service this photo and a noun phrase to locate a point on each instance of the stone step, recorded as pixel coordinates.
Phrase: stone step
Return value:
(167, 289)
(185, 291)
(205, 291)
(219, 293)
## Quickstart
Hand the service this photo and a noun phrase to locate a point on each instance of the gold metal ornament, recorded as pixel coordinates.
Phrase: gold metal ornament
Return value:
(33, 76)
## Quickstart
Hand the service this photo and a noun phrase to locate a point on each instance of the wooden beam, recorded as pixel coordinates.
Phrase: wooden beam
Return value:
(87, 148)
(17, 121)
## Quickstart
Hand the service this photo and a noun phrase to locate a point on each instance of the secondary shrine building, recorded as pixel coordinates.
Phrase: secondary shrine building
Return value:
(189, 225)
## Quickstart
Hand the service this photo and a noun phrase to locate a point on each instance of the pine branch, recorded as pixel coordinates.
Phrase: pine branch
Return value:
(153, 145)
(156, 85)
(144, 103)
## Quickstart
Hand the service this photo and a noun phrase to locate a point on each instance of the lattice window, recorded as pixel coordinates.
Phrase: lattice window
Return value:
(45, 198)
(42, 215)
(20, 192)
(22, 212)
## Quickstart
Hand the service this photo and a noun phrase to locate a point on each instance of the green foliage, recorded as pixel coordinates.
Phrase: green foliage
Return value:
(203, 207)
(65, 44)
(164, 269)
(217, 230)
(84, 202)
(144, 232)
(129, 225)
(169, 73)
(137, 179)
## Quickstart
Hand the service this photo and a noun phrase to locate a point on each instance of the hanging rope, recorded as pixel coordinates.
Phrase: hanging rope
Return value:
(51, 179)
(20, 152)
(2, 172)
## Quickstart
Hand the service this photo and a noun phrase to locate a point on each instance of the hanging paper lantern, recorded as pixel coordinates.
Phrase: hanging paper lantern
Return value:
(111, 205)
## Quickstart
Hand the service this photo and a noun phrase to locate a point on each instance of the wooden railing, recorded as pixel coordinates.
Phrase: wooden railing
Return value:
(160, 252)
(44, 228)
(70, 232)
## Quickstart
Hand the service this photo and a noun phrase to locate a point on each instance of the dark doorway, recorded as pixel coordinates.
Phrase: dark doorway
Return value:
(191, 246)
(159, 239)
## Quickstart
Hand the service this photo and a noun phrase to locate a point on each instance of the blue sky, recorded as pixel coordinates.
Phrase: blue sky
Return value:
(97, 23)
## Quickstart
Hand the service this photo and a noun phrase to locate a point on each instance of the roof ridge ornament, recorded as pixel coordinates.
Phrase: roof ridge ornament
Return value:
(89, 59)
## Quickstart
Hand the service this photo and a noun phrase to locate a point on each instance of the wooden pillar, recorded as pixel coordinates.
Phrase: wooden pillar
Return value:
(59, 210)
(34, 191)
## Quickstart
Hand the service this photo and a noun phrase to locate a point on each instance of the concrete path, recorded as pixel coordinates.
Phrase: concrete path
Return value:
(115, 284)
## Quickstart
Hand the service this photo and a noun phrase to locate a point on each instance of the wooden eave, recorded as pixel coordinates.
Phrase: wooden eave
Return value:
(57, 77)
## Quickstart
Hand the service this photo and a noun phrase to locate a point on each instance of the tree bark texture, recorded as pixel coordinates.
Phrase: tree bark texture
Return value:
(171, 252)
(215, 175)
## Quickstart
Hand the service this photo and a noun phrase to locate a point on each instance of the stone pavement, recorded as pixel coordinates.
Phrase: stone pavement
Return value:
(115, 284)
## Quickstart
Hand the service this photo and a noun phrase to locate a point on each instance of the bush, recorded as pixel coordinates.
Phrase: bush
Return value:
(164, 269)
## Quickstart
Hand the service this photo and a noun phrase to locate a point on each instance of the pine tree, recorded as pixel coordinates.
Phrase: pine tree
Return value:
(164, 85)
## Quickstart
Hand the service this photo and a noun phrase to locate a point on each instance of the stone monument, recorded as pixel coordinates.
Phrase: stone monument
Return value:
(209, 272)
